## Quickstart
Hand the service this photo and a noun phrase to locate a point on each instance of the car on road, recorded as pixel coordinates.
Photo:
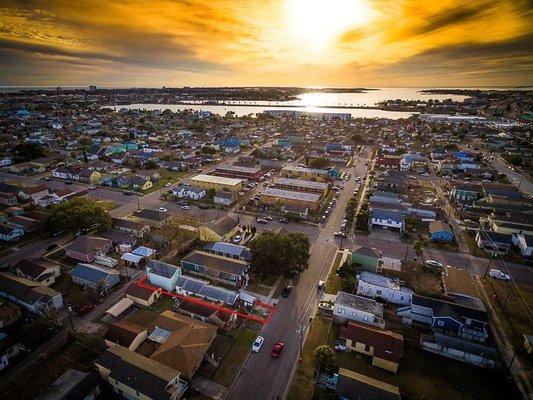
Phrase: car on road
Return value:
(497, 274)
(126, 193)
(258, 343)
(92, 187)
(161, 209)
(340, 234)
(69, 183)
(434, 264)
(337, 194)
(320, 285)
(86, 309)
(185, 207)
(286, 291)
(268, 218)
(261, 221)
(47, 178)
(277, 350)
(284, 220)
(237, 239)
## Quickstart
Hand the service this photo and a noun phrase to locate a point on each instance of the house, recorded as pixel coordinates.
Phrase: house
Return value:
(440, 232)
(446, 317)
(10, 350)
(94, 276)
(137, 229)
(524, 244)
(465, 193)
(384, 346)
(190, 192)
(387, 219)
(223, 269)
(126, 334)
(275, 197)
(386, 288)
(90, 175)
(224, 198)
(230, 250)
(183, 342)
(43, 274)
(190, 286)
(72, 385)
(459, 349)
(141, 183)
(87, 248)
(162, 274)
(352, 385)
(388, 162)
(221, 230)
(224, 320)
(25, 223)
(351, 307)
(8, 199)
(493, 242)
(152, 217)
(9, 313)
(368, 259)
(143, 251)
(33, 193)
(10, 233)
(137, 377)
(143, 296)
(33, 297)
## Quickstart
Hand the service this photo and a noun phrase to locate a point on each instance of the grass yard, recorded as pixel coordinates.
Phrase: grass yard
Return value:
(162, 304)
(424, 375)
(72, 293)
(302, 384)
(60, 256)
(425, 282)
(231, 363)
(79, 355)
(333, 283)
(108, 205)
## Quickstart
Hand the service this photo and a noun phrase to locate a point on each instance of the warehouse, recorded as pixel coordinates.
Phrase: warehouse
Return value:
(217, 183)
(294, 170)
(275, 197)
(235, 171)
(301, 185)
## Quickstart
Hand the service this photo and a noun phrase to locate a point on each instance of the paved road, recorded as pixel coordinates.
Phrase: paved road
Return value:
(517, 178)
(263, 377)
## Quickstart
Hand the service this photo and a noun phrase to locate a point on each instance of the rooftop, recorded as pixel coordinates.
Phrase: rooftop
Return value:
(359, 303)
(292, 195)
(219, 180)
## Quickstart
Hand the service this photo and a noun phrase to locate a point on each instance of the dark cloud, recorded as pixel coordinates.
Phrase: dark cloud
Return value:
(452, 16)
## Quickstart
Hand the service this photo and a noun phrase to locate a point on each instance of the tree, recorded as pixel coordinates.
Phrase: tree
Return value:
(79, 213)
(84, 143)
(26, 151)
(150, 164)
(208, 150)
(348, 284)
(320, 162)
(325, 359)
(275, 253)
(347, 269)
(211, 193)
(418, 247)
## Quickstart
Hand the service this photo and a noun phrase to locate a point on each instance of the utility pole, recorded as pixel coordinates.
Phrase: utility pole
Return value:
(488, 266)
(70, 321)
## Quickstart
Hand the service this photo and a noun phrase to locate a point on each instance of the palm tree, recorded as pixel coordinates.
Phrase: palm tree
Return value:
(418, 247)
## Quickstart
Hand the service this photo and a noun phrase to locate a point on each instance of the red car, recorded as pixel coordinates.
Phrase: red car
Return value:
(277, 349)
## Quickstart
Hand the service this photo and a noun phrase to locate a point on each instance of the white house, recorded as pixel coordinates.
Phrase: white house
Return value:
(163, 275)
(387, 219)
(350, 307)
(524, 243)
(383, 287)
(191, 192)
(223, 197)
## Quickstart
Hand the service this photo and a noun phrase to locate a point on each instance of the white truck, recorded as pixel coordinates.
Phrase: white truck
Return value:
(497, 274)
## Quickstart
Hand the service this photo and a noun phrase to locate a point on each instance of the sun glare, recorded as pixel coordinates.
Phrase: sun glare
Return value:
(321, 21)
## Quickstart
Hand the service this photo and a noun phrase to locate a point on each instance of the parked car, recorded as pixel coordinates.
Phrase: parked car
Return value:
(268, 218)
(126, 193)
(237, 239)
(256, 346)
(284, 220)
(497, 274)
(86, 309)
(92, 187)
(262, 221)
(320, 285)
(340, 234)
(185, 207)
(434, 264)
(277, 350)
(162, 209)
(286, 291)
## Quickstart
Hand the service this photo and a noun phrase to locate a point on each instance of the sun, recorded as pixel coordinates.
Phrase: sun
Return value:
(319, 22)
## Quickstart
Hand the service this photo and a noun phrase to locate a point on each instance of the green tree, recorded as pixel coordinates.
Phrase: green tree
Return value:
(84, 143)
(325, 359)
(26, 151)
(320, 162)
(211, 193)
(348, 284)
(347, 269)
(208, 150)
(418, 247)
(275, 253)
(79, 213)
(150, 164)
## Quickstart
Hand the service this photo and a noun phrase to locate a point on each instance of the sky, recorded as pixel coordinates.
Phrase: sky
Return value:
(340, 43)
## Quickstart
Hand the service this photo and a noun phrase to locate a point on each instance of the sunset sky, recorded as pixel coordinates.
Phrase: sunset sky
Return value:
(267, 43)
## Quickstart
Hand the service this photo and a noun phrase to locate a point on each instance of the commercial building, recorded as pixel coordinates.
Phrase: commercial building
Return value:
(301, 185)
(235, 171)
(275, 197)
(216, 182)
(294, 170)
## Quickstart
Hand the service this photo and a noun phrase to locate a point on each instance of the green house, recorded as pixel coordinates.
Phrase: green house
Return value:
(367, 258)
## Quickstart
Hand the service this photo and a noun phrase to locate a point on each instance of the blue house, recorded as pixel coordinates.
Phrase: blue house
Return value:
(440, 232)
(451, 319)
(163, 275)
(464, 156)
(94, 276)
